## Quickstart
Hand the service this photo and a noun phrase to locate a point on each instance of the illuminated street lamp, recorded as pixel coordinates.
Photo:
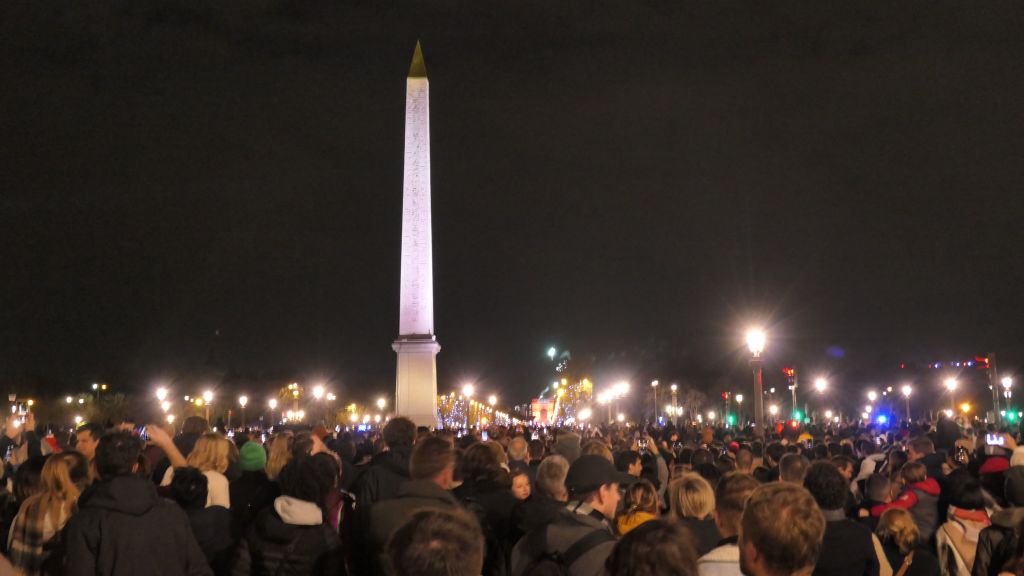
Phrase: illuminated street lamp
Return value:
(739, 407)
(951, 384)
(492, 400)
(755, 343)
(907, 390)
(165, 405)
(675, 402)
(273, 406)
(208, 398)
(468, 390)
(69, 399)
(78, 420)
(872, 395)
(820, 384)
(243, 401)
(318, 392)
(381, 403)
(965, 408)
(161, 394)
(654, 390)
(170, 418)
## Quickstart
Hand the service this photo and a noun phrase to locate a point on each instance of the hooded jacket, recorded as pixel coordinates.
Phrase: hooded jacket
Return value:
(289, 539)
(382, 479)
(921, 499)
(123, 527)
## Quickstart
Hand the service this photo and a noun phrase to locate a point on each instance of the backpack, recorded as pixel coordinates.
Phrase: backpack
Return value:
(543, 562)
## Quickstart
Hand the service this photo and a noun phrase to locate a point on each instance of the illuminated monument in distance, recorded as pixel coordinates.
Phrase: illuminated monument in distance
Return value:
(416, 379)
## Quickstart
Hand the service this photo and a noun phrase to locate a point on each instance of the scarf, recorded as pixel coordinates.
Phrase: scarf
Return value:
(32, 530)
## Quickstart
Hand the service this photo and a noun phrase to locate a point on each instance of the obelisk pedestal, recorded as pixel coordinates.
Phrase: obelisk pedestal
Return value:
(416, 346)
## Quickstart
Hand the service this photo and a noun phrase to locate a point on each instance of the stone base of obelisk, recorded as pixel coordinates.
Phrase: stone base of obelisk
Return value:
(416, 383)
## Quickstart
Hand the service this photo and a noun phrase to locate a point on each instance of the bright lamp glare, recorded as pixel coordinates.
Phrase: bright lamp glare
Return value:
(755, 341)
(907, 390)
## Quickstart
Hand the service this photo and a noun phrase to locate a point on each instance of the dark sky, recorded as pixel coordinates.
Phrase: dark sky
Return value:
(637, 181)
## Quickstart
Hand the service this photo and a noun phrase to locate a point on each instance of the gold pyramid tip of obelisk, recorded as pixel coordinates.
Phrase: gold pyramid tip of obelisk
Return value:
(417, 69)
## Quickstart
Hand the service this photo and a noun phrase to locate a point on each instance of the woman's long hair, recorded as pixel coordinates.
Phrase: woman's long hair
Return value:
(280, 454)
(211, 452)
(64, 477)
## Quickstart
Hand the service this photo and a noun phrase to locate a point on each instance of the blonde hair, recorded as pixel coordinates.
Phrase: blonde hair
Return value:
(210, 453)
(280, 453)
(691, 496)
(59, 488)
(640, 497)
(898, 524)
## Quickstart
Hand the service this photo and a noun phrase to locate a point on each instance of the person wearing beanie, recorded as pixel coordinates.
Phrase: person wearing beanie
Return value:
(252, 491)
(567, 446)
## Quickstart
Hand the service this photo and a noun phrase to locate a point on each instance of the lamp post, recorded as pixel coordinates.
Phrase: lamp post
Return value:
(675, 403)
(755, 342)
(739, 408)
(907, 390)
(951, 386)
(654, 389)
(207, 398)
(242, 401)
(273, 406)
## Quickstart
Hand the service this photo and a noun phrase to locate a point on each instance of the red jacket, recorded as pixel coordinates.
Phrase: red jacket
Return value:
(908, 499)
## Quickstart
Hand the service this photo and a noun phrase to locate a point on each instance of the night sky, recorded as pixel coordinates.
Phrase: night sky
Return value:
(188, 184)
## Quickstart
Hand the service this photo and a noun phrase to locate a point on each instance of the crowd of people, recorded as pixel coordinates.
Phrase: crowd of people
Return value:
(843, 500)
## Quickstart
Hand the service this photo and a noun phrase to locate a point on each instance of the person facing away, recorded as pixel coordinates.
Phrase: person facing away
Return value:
(848, 548)
(437, 542)
(579, 539)
(731, 496)
(899, 536)
(640, 505)
(657, 548)
(253, 490)
(209, 456)
(292, 536)
(123, 525)
(781, 531)
(792, 469)
(431, 468)
(211, 525)
(32, 543)
(691, 501)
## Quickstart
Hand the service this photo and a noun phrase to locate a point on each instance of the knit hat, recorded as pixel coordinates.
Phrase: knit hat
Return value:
(567, 446)
(252, 457)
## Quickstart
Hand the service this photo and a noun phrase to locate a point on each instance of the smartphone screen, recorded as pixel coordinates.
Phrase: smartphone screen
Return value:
(484, 435)
(995, 439)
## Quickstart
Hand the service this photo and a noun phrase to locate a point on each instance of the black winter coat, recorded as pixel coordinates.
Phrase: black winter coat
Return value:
(123, 527)
(272, 547)
(212, 529)
(250, 494)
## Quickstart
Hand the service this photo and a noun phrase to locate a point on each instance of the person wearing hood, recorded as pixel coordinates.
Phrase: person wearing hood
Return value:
(997, 544)
(292, 537)
(957, 539)
(123, 525)
(920, 497)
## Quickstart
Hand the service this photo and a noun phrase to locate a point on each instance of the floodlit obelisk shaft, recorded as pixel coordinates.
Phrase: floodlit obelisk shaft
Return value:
(416, 379)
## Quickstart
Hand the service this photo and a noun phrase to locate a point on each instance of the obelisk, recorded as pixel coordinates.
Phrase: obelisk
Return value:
(416, 379)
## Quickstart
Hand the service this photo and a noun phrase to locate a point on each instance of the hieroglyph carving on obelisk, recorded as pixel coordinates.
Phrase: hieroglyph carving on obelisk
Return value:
(416, 378)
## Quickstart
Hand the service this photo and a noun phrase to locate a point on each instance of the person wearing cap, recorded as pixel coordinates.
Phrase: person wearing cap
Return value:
(581, 533)
(252, 490)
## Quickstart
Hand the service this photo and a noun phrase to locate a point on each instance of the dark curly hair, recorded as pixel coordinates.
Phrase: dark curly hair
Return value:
(303, 478)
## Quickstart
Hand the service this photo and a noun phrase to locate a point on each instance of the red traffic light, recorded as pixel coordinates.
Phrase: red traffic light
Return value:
(725, 395)
(790, 372)
(794, 424)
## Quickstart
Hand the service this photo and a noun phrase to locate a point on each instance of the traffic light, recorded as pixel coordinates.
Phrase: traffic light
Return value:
(798, 415)
(789, 372)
